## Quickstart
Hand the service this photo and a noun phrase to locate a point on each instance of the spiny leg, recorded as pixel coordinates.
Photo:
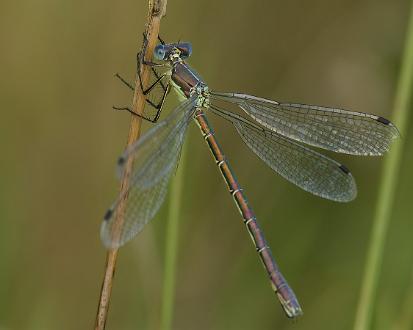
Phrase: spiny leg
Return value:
(161, 103)
(146, 92)
(130, 86)
(157, 106)
(117, 75)
(140, 59)
(165, 87)
(161, 40)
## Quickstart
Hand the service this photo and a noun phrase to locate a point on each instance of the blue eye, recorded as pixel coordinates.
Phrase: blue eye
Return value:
(159, 52)
(185, 48)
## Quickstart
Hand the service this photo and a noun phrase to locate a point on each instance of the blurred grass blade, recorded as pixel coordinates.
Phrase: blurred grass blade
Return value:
(404, 321)
(387, 188)
(171, 245)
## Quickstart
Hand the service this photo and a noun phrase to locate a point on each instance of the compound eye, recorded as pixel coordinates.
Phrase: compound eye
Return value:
(185, 49)
(159, 52)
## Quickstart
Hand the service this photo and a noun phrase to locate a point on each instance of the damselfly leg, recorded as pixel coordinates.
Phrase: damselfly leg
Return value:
(155, 94)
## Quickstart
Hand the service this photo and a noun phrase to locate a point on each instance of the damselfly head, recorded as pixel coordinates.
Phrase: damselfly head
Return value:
(168, 51)
(159, 52)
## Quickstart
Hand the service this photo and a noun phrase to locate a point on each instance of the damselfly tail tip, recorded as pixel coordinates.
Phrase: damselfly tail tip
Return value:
(288, 301)
(295, 313)
(292, 309)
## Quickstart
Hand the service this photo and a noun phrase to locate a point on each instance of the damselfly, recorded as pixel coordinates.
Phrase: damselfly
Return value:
(275, 135)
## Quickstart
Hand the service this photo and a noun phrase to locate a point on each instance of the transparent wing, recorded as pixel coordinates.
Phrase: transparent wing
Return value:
(155, 157)
(304, 167)
(334, 129)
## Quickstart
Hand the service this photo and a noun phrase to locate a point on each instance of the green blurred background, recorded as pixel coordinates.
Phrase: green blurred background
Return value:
(60, 140)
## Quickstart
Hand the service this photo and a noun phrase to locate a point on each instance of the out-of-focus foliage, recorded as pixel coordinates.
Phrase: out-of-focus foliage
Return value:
(60, 140)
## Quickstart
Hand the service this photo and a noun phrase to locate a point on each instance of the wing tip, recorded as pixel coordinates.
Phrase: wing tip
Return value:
(346, 197)
(107, 239)
(395, 131)
(350, 193)
(106, 236)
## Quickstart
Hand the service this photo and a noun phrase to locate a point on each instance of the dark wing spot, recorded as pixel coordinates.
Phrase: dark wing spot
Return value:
(344, 169)
(121, 160)
(383, 120)
(108, 215)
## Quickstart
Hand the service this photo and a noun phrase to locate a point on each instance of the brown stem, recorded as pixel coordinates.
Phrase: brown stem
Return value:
(157, 9)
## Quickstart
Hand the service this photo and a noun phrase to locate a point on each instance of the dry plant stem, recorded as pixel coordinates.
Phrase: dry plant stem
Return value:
(387, 188)
(157, 10)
